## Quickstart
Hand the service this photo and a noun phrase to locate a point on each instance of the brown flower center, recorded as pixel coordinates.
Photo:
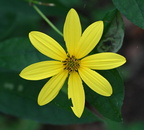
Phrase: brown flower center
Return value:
(71, 63)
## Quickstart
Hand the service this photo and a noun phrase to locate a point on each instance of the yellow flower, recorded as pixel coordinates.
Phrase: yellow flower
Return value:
(74, 64)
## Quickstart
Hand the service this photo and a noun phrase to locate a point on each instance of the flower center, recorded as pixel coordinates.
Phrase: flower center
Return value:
(71, 63)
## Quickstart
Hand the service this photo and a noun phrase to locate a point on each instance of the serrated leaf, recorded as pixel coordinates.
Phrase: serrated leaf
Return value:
(109, 107)
(112, 38)
(132, 9)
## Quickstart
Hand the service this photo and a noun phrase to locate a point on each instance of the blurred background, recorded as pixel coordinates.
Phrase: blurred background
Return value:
(18, 18)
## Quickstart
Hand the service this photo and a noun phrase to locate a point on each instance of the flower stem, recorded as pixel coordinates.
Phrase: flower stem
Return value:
(47, 20)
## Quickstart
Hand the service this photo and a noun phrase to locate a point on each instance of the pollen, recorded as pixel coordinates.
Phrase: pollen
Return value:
(71, 63)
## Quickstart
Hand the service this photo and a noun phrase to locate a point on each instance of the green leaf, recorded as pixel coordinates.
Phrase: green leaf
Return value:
(132, 9)
(109, 107)
(18, 97)
(17, 53)
(17, 19)
(7, 123)
(112, 38)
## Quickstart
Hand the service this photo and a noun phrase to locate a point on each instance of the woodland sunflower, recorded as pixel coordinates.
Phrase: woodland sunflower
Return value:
(73, 64)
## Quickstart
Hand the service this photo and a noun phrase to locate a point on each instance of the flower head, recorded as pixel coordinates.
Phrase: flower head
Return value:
(73, 64)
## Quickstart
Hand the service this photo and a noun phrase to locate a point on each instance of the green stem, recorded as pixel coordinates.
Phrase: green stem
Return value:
(47, 20)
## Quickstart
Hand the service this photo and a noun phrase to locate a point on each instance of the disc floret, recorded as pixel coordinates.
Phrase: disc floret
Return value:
(71, 63)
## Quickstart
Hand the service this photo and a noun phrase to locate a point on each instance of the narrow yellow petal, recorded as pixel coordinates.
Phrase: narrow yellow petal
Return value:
(72, 31)
(95, 81)
(41, 70)
(52, 88)
(103, 61)
(76, 93)
(89, 39)
(47, 45)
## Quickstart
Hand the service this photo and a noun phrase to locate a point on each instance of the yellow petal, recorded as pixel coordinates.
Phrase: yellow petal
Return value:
(52, 88)
(103, 61)
(95, 81)
(47, 45)
(41, 70)
(89, 39)
(72, 31)
(76, 93)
